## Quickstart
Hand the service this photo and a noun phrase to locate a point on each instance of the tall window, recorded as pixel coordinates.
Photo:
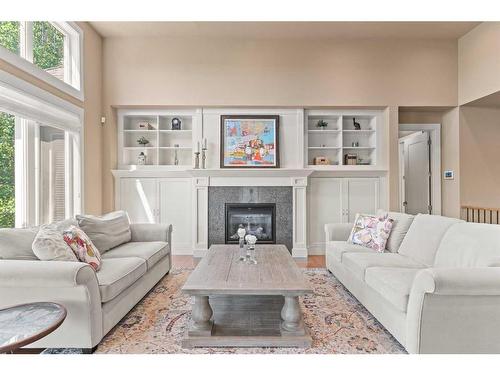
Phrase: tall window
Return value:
(40, 155)
(52, 48)
(7, 171)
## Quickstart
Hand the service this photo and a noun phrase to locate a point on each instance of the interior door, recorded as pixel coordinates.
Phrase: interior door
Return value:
(139, 197)
(416, 174)
(175, 208)
(324, 206)
(361, 195)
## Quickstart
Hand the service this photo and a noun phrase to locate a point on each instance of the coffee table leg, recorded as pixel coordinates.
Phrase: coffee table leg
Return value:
(201, 314)
(292, 316)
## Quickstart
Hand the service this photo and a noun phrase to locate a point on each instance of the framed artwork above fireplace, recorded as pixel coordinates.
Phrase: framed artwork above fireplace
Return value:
(249, 141)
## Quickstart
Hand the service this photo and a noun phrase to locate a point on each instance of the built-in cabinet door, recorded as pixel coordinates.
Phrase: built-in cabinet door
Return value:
(324, 206)
(361, 195)
(139, 197)
(175, 208)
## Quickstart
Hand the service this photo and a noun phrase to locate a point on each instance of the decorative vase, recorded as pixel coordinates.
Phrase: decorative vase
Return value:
(141, 159)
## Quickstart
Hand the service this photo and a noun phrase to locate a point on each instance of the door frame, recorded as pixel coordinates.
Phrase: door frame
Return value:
(434, 131)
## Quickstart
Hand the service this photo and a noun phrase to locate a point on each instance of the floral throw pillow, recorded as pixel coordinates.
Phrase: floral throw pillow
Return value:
(371, 231)
(82, 246)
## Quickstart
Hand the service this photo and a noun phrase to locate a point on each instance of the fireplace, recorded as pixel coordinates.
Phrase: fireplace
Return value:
(258, 219)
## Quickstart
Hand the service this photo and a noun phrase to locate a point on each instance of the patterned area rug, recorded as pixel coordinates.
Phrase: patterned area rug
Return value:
(337, 322)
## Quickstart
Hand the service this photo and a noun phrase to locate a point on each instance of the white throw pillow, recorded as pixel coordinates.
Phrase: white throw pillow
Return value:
(49, 244)
(401, 224)
(106, 231)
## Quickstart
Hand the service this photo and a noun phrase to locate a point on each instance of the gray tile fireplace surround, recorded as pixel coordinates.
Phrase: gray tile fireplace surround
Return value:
(282, 196)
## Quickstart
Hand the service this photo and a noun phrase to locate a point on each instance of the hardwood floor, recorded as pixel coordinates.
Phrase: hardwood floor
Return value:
(187, 261)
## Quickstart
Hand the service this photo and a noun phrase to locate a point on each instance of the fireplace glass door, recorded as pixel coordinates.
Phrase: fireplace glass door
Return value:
(256, 218)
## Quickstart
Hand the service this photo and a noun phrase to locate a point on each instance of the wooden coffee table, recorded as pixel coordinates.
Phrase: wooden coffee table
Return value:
(244, 305)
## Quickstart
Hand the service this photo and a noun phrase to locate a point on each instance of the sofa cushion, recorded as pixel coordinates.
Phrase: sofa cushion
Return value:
(392, 283)
(400, 225)
(469, 245)
(151, 252)
(424, 236)
(117, 274)
(357, 263)
(16, 243)
(106, 231)
(337, 249)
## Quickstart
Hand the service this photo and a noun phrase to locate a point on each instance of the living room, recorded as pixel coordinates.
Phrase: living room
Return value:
(243, 185)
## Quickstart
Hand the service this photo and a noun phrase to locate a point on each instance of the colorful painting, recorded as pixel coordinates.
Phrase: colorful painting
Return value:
(249, 141)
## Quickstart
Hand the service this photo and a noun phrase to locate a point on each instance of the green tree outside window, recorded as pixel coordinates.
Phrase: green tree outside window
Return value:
(48, 46)
(9, 35)
(7, 181)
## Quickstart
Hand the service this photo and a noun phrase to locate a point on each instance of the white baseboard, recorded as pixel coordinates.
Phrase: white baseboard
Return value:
(316, 251)
(299, 252)
(199, 253)
(182, 249)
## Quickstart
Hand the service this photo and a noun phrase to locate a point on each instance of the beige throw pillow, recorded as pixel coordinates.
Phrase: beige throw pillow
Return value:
(401, 225)
(49, 244)
(106, 231)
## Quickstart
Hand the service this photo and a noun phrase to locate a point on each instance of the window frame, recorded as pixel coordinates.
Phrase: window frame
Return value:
(73, 61)
(33, 107)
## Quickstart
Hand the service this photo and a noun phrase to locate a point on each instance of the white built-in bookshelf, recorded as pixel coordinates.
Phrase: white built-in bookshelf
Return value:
(165, 144)
(333, 142)
(340, 138)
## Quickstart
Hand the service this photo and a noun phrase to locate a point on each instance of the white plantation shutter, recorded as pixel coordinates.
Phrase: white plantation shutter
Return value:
(59, 186)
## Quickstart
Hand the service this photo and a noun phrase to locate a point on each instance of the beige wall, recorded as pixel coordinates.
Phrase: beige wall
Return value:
(450, 147)
(479, 157)
(163, 71)
(92, 112)
(479, 62)
(93, 128)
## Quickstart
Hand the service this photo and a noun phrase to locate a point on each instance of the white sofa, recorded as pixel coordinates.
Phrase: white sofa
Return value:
(95, 302)
(436, 292)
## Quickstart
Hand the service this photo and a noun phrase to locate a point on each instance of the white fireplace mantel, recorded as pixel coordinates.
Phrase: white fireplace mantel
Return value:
(203, 178)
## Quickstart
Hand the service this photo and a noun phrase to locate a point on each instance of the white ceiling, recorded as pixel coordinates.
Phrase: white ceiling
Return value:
(286, 30)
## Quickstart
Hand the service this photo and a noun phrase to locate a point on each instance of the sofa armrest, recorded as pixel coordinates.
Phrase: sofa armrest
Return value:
(338, 231)
(29, 273)
(458, 281)
(454, 310)
(72, 284)
(145, 232)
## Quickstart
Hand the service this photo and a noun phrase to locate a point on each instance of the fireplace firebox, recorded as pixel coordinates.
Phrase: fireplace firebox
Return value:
(258, 219)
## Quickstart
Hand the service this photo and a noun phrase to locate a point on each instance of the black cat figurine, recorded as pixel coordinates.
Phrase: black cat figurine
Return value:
(357, 125)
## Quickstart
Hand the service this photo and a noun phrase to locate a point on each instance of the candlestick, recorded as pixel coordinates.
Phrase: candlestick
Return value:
(197, 160)
(198, 147)
(204, 158)
(205, 143)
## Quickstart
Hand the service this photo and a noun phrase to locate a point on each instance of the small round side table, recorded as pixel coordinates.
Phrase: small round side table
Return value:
(24, 324)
